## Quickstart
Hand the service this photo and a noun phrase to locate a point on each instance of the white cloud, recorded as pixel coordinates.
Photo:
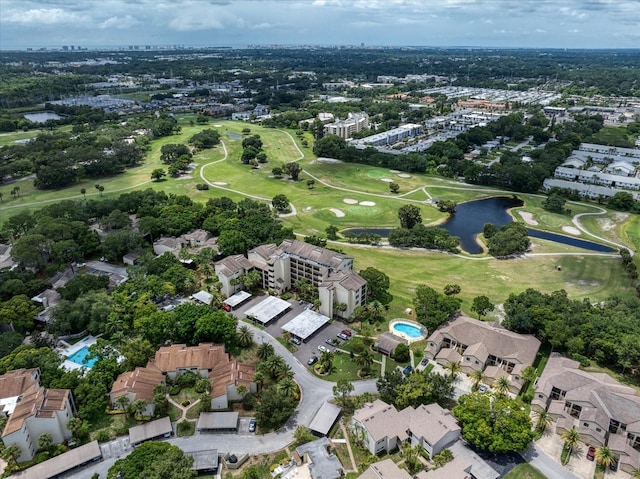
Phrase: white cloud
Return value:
(119, 23)
(43, 16)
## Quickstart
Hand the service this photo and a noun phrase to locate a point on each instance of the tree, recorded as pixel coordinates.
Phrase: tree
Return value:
(433, 308)
(277, 172)
(122, 403)
(501, 385)
(342, 391)
(410, 455)
(292, 169)
(454, 368)
(302, 435)
(138, 407)
(494, 423)
(44, 441)
(157, 174)
(100, 188)
(571, 438)
(274, 409)
(83, 192)
(153, 460)
(420, 388)
(394, 187)
(245, 336)
(409, 216)
(311, 183)
(543, 419)
(11, 453)
(388, 385)
(287, 387)
(364, 360)
(604, 456)
(264, 351)
(401, 353)
(509, 240)
(482, 305)
(477, 376)
(332, 233)
(326, 362)
(377, 285)
(452, 289)
(554, 203)
(280, 202)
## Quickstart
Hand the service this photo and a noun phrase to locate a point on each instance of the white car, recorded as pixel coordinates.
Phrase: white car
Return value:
(323, 348)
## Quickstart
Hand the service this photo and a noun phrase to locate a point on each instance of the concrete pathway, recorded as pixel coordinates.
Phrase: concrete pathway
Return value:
(184, 409)
(354, 468)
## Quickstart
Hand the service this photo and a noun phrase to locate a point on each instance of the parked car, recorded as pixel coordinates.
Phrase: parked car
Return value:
(329, 341)
(323, 348)
(346, 332)
(424, 361)
(312, 360)
(226, 307)
(591, 453)
(343, 336)
(482, 388)
(252, 425)
(296, 340)
(407, 370)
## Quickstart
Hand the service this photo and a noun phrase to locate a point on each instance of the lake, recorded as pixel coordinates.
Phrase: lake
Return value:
(41, 116)
(470, 218)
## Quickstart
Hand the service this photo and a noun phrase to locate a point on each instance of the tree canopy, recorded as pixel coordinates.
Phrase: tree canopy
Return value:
(153, 460)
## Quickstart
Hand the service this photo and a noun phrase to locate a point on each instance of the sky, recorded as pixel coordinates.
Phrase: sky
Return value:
(479, 23)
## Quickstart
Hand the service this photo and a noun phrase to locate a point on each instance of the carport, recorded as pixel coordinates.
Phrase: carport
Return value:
(203, 459)
(217, 422)
(306, 324)
(325, 418)
(268, 310)
(151, 430)
(237, 299)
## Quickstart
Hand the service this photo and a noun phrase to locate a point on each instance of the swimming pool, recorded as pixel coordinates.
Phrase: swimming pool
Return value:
(409, 330)
(80, 357)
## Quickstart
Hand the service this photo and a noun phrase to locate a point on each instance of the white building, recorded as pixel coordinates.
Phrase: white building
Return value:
(345, 128)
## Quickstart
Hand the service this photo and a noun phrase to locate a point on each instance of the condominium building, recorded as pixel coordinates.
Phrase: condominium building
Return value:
(345, 128)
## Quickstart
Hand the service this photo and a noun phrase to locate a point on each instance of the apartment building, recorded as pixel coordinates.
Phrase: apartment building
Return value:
(345, 128)
(281, 266)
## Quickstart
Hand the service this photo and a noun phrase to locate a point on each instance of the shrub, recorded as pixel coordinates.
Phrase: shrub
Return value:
(202, 186)
(401, 354)
(175, 390)
(186, 379)
(286, 296)
(248, 402)
(41, 457)
(186, 402)
(102, 435)
(121, 429)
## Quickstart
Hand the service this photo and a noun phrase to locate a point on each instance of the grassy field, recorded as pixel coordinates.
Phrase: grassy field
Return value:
(581, 275)
(524, 471)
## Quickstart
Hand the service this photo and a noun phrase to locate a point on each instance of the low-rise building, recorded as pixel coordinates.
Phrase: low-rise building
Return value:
(484, 346)
(380, 427)
(137, 385)
(601, 409)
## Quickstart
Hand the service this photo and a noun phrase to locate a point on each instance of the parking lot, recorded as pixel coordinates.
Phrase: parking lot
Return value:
(305, 350)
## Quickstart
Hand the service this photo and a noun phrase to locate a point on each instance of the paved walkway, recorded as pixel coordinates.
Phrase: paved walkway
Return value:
(184, 409)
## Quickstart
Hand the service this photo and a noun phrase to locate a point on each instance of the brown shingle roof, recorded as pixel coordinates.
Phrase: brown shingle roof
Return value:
(17, 382)
(322, 256)
(178, 356)
(348, 279)
(232, 264)
(140, 382)
(497, 340)
(41, 403)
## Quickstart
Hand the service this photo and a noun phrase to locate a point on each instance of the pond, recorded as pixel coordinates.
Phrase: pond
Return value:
(41, 116)
(234, 136)
(470, 218)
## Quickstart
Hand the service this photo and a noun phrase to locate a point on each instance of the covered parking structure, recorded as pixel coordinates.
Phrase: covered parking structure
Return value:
(151, 430)
(237, 299)
(218, 422)
(204, 460)
(268, 310)
(324, 419)
(59, 465)
(306, 324)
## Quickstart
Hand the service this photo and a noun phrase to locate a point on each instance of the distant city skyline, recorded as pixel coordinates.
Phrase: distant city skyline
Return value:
(438, 23)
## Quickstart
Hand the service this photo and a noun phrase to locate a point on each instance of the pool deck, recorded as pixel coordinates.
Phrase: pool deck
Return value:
(409, 322)
(66, 352)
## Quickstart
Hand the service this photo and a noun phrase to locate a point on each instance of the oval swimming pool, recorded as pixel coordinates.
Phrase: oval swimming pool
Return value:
(409, 330)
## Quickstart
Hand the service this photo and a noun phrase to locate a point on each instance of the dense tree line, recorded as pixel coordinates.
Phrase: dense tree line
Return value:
(607, 332)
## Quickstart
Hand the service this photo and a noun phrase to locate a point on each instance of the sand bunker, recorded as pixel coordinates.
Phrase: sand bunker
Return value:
(528, 218)
(337, 212)
(217, 126)
(395, 172)
(308, 208)
(367, 203)
(350, 201)
(220, 183)
(387, 180)
(572, 230)
(404, 175)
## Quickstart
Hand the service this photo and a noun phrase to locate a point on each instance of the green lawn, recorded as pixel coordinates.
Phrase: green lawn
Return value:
(524, 471)
(346, 368)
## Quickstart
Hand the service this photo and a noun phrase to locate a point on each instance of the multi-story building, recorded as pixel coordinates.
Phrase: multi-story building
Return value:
(345, 128)
(484, 346)
(33, 411)
(602, 410)
(391, 137)
(281, 266)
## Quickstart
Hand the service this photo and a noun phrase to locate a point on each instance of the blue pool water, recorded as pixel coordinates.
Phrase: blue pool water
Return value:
(80, 357)
(409, 330)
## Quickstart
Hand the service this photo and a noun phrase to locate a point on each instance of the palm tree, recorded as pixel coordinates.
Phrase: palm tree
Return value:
(83, 192)
(242, 389)
(364, 360)
(138, 407)
(635, 474)
(477, 376)
(604, 456)
(501, 385)
(543, 419)
(264, 351)
(122, 403)
(326, 361)
(245, 336)
(287, 387)
(274, 365)
(453, 368)
(286, 372)
(571, 438)
(74, 425)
